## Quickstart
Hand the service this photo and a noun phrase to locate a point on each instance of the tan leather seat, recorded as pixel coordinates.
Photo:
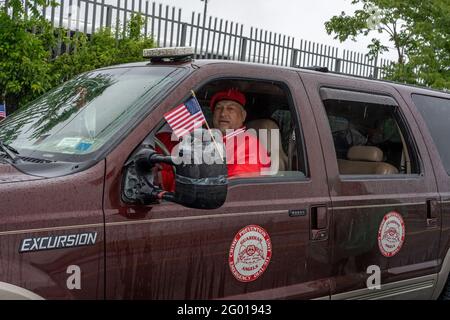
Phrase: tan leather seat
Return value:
(271, 126)
(365, 160)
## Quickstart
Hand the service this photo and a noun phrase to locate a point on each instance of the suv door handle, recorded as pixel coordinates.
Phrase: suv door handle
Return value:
(432, 216)
(319, 223)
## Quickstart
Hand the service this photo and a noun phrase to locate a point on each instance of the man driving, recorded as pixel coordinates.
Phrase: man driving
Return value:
(246, 156)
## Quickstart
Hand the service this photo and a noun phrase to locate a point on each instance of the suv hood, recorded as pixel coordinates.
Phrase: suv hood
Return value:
(10, 174)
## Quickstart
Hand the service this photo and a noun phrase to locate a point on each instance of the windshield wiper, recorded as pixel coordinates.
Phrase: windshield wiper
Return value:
(10, 152)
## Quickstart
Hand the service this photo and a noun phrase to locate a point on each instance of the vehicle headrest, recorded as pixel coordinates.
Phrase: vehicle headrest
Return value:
(365, 153)
(262, 124)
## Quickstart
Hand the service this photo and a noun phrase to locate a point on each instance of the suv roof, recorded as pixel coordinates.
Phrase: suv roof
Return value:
(311, 70)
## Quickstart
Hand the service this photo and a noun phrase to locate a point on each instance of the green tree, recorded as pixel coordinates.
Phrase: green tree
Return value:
(429, 52)
(131, 46)
(102, 50)
(28, 66)
(24, 71)
(418, 30)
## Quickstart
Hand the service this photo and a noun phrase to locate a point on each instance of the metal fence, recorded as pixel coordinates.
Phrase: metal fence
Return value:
(211, 38)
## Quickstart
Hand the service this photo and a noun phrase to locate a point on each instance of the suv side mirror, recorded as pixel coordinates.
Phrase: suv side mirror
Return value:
(197, 183)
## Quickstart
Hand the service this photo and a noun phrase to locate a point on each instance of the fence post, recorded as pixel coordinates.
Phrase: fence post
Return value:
(108, 16)
(337, 67)
(375, 72)
(243, 52)
(375, 68)
(294, 57)
(183, 34)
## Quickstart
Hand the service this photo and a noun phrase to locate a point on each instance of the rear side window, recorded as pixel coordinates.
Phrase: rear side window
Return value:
(436, 113)
(369, 135)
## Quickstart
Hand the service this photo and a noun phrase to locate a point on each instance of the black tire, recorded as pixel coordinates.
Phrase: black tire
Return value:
(445, 295)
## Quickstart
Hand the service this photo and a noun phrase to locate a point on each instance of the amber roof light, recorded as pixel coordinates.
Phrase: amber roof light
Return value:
(175, 54)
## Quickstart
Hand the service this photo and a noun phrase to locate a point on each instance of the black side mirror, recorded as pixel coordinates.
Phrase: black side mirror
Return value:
(198, 184)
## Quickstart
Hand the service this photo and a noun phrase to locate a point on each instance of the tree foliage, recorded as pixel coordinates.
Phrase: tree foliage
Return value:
(418, 30)
(28, 65)
(102, 50)
(24, 71)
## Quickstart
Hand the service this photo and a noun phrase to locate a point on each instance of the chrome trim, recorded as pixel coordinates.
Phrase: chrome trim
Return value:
(414, 267)
(100, 225)
(80, 226)
(405, 204)
(410, 289)
(222, 215)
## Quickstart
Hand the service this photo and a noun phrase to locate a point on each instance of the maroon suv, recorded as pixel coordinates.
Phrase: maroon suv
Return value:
(358, 206)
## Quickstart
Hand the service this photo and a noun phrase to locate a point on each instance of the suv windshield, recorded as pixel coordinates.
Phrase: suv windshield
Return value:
(80, 116)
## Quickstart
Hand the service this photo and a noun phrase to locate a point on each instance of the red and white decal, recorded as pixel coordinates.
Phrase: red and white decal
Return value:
(391, 234)
(250, 253)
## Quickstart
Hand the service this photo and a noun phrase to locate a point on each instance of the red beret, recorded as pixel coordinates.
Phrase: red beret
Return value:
(231, 94)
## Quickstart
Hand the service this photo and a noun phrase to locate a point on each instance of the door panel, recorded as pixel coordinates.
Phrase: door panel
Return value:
(359, 204)
(167, 251)
(442, 176)
(50, 219)
(179, 253)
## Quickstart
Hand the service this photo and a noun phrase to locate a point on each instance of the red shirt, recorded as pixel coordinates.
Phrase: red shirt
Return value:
(246, 156)
(166, 174)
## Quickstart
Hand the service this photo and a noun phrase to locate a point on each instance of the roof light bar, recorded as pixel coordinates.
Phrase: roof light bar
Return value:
(169, 54)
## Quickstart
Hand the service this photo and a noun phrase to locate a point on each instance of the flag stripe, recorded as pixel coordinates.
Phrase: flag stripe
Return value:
(187, 126)
(186, 117)
(190, 123)
(193, 127)
(188, 120)
(181, 114)
(182, 120)
(175, 112)
(182, 117)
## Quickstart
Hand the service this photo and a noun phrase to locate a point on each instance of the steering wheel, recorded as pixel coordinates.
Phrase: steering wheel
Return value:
(162, 146)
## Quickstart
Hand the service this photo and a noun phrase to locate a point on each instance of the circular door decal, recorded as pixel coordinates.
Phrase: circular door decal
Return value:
(250, 253)
(391, 234)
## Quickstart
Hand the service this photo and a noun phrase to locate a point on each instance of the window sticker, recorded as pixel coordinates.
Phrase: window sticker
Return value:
(391, 234)
(250, 253)
(69, 143)
(84, 145)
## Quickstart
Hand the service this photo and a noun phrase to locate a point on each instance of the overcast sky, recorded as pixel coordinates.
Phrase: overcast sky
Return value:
(301, 19)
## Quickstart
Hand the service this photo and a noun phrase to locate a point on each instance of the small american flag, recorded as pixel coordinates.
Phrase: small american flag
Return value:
(186, 117)
(2, 111)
